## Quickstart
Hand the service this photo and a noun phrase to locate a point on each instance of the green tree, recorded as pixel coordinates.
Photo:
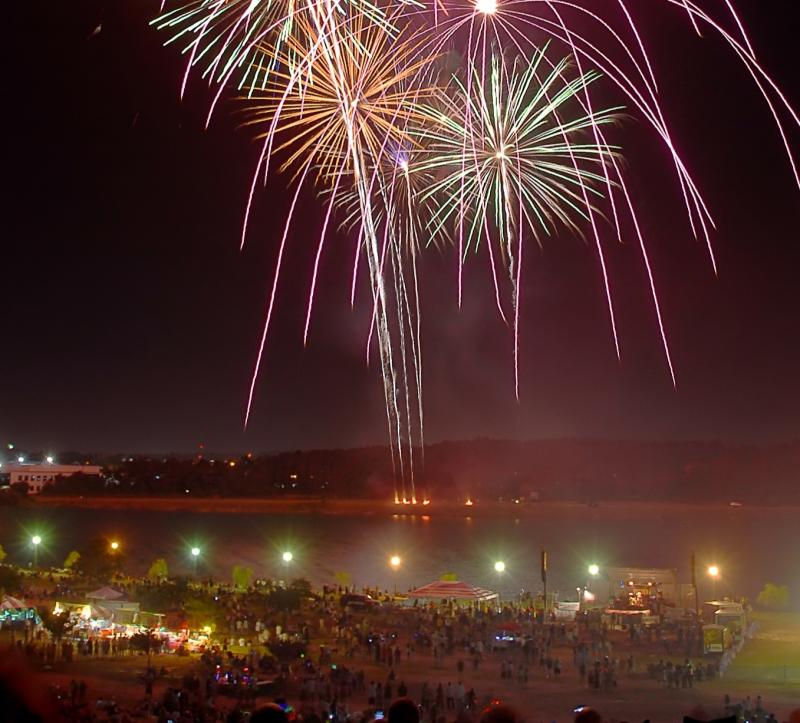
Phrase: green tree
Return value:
(72, 560)
(95, 560)
(9, 579)
(57, 624)
(242, 576)
(2, 554)
(158, 570)
(343, 578)
(200, 611)
(773, 597)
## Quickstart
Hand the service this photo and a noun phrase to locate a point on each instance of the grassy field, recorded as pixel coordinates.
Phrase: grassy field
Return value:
(773, 656)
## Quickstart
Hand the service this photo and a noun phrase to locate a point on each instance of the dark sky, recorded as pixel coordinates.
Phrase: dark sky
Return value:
(131, 319)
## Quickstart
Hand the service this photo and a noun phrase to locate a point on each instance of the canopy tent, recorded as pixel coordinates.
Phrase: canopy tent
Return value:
(452, 590)
(104, 593)
(14, 610)
(12, 603)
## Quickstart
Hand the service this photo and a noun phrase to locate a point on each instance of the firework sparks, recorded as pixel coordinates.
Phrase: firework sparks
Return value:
(520, 166)
(350, 95)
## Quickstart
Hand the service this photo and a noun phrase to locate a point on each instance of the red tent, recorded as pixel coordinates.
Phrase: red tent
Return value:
(452, 590)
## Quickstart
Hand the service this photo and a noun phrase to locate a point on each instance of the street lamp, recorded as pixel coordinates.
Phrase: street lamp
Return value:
(499, 568)
(713, 573)
(114, 546)
(36, 540)
(195, 552)
(594, 571)
(394, 563)
(287, 558)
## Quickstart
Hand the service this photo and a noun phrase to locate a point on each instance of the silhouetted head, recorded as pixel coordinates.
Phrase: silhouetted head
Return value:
(588, 715)
(403, 710)
(500, 714)
(269, 713)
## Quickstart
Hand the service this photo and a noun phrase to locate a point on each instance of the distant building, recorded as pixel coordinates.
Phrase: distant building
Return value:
(36, 476)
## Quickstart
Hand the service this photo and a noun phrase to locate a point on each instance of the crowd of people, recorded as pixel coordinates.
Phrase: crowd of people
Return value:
(332, 662)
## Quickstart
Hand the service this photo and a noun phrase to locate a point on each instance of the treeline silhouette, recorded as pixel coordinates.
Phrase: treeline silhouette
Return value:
(580, 470)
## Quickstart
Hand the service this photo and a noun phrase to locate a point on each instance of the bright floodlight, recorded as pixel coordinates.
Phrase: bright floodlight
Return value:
(713, 570)
(395, 561)
(499, 566)
(115, 545)
(36, 539)
(594, 570)
(287, 556)
(487, 7)
(195, 551)
(50, 459)
(20, 459)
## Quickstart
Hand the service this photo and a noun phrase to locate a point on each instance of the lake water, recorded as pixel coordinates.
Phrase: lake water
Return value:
(751, 546)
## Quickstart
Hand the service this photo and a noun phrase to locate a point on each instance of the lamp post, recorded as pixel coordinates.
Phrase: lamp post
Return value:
(195, 553)
(499, 568)
(594, 571)
(287, 558)
(36, 540)
(394, 563)
(713, 573)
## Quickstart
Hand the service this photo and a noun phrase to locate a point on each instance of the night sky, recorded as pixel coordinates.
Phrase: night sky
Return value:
(131, 320)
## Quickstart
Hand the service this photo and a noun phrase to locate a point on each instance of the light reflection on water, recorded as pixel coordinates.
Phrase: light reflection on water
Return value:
(751, 546)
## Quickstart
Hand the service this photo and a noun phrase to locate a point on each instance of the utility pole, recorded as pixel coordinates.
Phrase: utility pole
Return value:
(543, 567)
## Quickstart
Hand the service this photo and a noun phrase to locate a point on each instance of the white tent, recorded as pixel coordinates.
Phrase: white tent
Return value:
(104, 593)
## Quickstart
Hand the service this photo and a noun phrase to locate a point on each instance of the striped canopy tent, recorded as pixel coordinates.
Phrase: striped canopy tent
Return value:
(452, 590)
(12, 603)
(14, 611)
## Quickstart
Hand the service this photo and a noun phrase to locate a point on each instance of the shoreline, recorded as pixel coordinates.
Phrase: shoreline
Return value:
(334, 507)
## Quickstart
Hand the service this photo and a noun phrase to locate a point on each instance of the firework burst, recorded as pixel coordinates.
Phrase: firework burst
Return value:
(524, 164)
(349, 94)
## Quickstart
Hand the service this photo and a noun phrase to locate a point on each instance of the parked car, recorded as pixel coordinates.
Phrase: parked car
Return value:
(503, 640)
